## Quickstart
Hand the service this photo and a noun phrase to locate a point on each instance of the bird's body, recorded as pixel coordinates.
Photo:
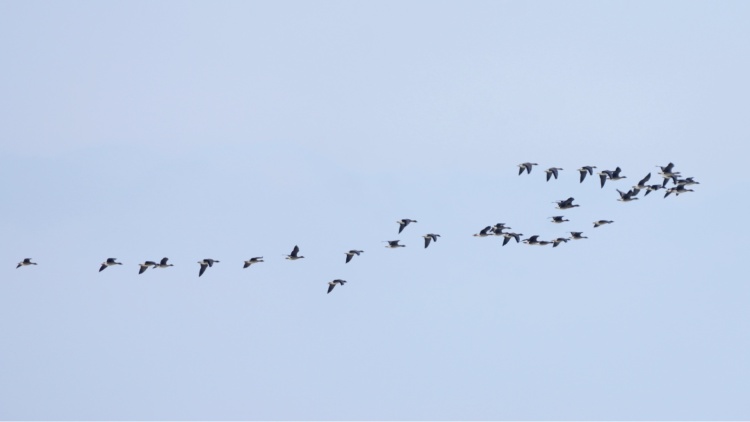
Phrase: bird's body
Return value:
(687, 182)
(205, 263)
(628, 196)
(611, 175)
(559, 240)
(508, 236)
(393, 244)
(108, 263)
(586, 169)
(642, 183)
(404, 222)
(552, 171)
(430, 237)
(350, 254)
(533, 240)
(651, 188)
(25, 262)
(163, 263)
(484, 232)
(525, 167)
(559, 219)
(332, 284)
(293, 256)
(602, 222)
(498, 228)
(677, 190)
(252, 261)
(565, 204)
(146, 265)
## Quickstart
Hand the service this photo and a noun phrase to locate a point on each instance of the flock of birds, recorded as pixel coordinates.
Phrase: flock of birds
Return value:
(679, 186)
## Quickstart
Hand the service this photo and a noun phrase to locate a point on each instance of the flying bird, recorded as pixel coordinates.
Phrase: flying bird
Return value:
(252, 261)
(552, 171)
(565, 204)
(667, 172)
(205, 263)
(163, 263)
(108, 263)
(498, 228)
(559, 219)
(628, 196)
(577, 235)
(642, 183)
(25, 262)
(586, 169)
(602, 222)
(350, 254)
(525, 166)
(403, 223)
(394, 244)
(509, 236)
(559, 240)
(651, 188)
(146, 265)
(484, 232)
(293, 256)
(533, 240)
(687, 181)
(332, 284)
(430, 237)
(677, 190)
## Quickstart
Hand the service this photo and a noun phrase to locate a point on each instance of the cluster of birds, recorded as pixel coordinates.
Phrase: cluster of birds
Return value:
(500, 229)
(667, 172)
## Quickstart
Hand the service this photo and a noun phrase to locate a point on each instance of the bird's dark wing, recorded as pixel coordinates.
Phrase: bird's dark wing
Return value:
(202, 270)
(102, 267)
(331, 286)
(348, 258)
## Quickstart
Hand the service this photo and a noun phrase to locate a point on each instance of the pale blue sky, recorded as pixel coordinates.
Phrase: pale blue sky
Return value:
(228, 130)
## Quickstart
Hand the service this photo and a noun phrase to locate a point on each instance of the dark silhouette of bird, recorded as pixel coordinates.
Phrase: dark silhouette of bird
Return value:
(205, 263)
(565, 204)
(586, 169)
(108, 263)
(430, 237)
(403, 223)
(332, 284)
(350, 254)
(146, 265)
(25, 262)
(252, 261)
(552, 171)
(525, 166)
(293, 256)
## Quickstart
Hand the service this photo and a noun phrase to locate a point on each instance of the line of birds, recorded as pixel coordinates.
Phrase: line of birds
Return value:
(500, 229)
(667, 173)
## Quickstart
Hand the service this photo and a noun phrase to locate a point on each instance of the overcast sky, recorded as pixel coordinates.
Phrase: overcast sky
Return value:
(227, 130)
